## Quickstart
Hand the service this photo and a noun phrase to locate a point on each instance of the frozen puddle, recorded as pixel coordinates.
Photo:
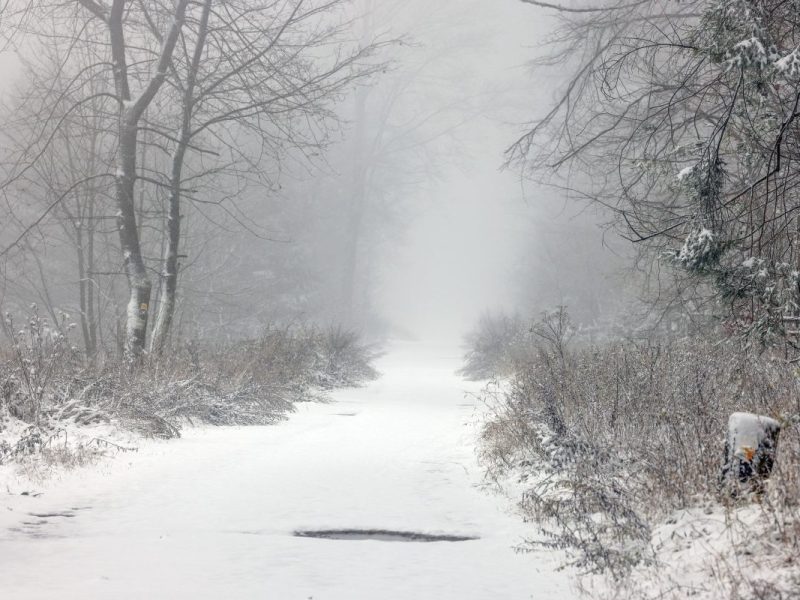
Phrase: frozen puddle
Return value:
(382, 535)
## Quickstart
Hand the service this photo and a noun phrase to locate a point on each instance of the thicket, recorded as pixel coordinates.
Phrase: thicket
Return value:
(46, 383)
(680, 122)
(493, 345)
(611, 440)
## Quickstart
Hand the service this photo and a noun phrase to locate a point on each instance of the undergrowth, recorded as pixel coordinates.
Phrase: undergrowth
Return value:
(609, 441)
(46, 383)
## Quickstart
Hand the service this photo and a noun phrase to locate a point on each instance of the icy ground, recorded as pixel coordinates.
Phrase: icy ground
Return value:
(212, 515)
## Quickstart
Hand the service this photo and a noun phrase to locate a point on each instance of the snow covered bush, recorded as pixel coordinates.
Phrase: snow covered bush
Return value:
(47, 384)
(242, 383)
(609, 442)
(39, 353)
(298, 362)
(493, 345)
(342, 359)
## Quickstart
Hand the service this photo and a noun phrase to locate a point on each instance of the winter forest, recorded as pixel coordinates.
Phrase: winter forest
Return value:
(393, 299)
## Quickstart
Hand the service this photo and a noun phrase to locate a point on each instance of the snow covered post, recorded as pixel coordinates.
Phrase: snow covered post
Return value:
(749, 450)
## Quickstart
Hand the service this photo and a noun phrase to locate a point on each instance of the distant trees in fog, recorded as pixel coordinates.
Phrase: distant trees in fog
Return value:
(200, 168)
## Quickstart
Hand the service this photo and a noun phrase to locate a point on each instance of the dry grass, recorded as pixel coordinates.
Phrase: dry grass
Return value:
(45, 382)
(612, 440)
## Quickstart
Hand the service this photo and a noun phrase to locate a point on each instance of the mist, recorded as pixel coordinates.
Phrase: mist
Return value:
(427, 237)
(393, 299)
(473, 222)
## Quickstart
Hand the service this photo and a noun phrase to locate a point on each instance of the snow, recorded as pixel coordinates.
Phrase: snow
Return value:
(752, 43)
(705, 235)
(789, 64)
(748, 430)
(752, 52)
(704, 553)
(696, 248)
(212, 515)
(685, 172)
(713, 550)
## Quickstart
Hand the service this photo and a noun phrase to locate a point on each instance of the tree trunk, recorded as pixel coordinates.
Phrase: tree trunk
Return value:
(130, 113)
(84, 242)
(82, 281)
(91, 317)
(135, 270)
(352, 237)
(169, 276)
(358, 190)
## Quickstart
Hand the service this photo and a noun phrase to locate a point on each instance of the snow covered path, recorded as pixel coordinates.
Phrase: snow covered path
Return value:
(212, 515)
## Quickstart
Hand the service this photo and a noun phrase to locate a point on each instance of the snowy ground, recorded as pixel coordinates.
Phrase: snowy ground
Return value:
(708, 553)
(212, 515)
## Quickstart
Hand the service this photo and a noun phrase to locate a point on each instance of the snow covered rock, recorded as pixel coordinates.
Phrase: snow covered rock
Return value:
(749, 449)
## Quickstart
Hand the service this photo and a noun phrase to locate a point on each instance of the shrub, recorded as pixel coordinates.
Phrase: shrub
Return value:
(243, 383)
(494, 345)
(612, 439)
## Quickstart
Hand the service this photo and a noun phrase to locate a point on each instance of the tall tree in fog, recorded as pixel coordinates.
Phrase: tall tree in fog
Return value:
(246, 84)
(131, 109)
(65, 179)
(251, 69)
(359, 181)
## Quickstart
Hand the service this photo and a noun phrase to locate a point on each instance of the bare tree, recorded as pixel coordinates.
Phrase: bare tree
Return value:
(681, 121)
(131, 111)
(228, 91)
(253, 69)
(66, 181)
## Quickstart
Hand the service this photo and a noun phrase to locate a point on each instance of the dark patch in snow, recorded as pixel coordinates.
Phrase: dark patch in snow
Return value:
(382, 535)
(41, 535)
(344, 414)
(36, 530)
(66, 514)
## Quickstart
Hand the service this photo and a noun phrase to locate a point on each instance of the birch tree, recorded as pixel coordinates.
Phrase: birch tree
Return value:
(132, 106)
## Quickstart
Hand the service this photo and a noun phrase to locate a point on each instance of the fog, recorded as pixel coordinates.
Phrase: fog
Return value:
(457, 258)
(482, 277)
(387, 207)
(459, 251)
(467, 249)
